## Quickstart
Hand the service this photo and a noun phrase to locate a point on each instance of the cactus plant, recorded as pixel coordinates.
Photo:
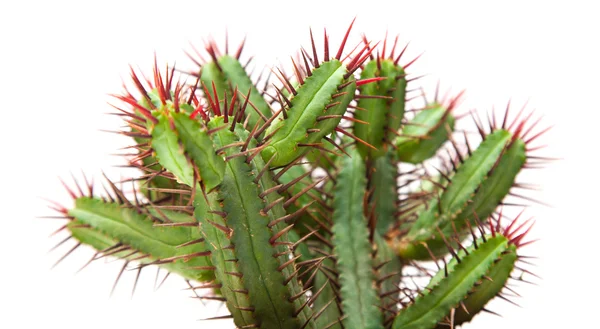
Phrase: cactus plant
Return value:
(295, 204)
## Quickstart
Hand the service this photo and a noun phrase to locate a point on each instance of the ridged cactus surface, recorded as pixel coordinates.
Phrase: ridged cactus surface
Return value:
(316, 201)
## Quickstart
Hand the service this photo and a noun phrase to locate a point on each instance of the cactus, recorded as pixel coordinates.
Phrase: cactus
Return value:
(295, 205)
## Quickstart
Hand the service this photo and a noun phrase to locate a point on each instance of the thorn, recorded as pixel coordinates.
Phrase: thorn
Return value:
(222, 317)
(330, 116)
(287, 263)
(309, 320)
(184, 257)
(306, 66)
(411, 62)
(245, 308)
(401, 53)
(256, 151)
(358, 61)
(270, 190)
(88, 262)
(190, 243)
(118, 277)
(280, 233)
(303, 191)
(286, 168)
(267, 124)
(338, 129)
(338, 56)
(374, 97)
(326, 46)
(244, 153)
(264, 169)
(285, 187)
(320, 311)
(238, 53)
(361, 82)
(314, 48)
(137, 277)
(236, 274)
(393, 47)
(266, 209)
(297, 73)
(297, 312)
(66, 254)
(291, 276)
(227, 230)
(60, 243)
(288, 85)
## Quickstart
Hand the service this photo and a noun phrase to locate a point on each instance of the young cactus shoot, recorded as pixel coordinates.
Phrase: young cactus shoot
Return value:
(331, 197)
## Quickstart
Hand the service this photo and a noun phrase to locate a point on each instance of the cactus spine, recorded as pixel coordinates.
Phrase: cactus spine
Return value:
(293, 204)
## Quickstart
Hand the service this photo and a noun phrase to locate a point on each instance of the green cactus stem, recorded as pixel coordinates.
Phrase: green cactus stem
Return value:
(314, 203)
(381, 104)
(475, 190)
(421, 138)
(352, 246)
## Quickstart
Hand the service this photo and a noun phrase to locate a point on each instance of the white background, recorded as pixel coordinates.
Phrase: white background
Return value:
(59, 60)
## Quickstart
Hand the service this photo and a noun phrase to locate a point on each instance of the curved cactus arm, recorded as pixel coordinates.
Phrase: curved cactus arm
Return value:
(422, 137)
(381, 105)
(352, 247)
(473, 172)
(486, 288)
(313, 107)
(498, 182)
(474, 192)
(318, 105)
(449, 292)
(167, 246)
(108, 246)
(491, 193)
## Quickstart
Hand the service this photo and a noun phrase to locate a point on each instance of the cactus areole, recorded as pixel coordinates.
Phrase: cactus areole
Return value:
(311, 199)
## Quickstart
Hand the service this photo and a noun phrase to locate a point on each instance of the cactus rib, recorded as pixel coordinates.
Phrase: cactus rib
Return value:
(249, 228)
(310, 204)
(352, 247)
(161, 244)
(474, 191)
(431, 308)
